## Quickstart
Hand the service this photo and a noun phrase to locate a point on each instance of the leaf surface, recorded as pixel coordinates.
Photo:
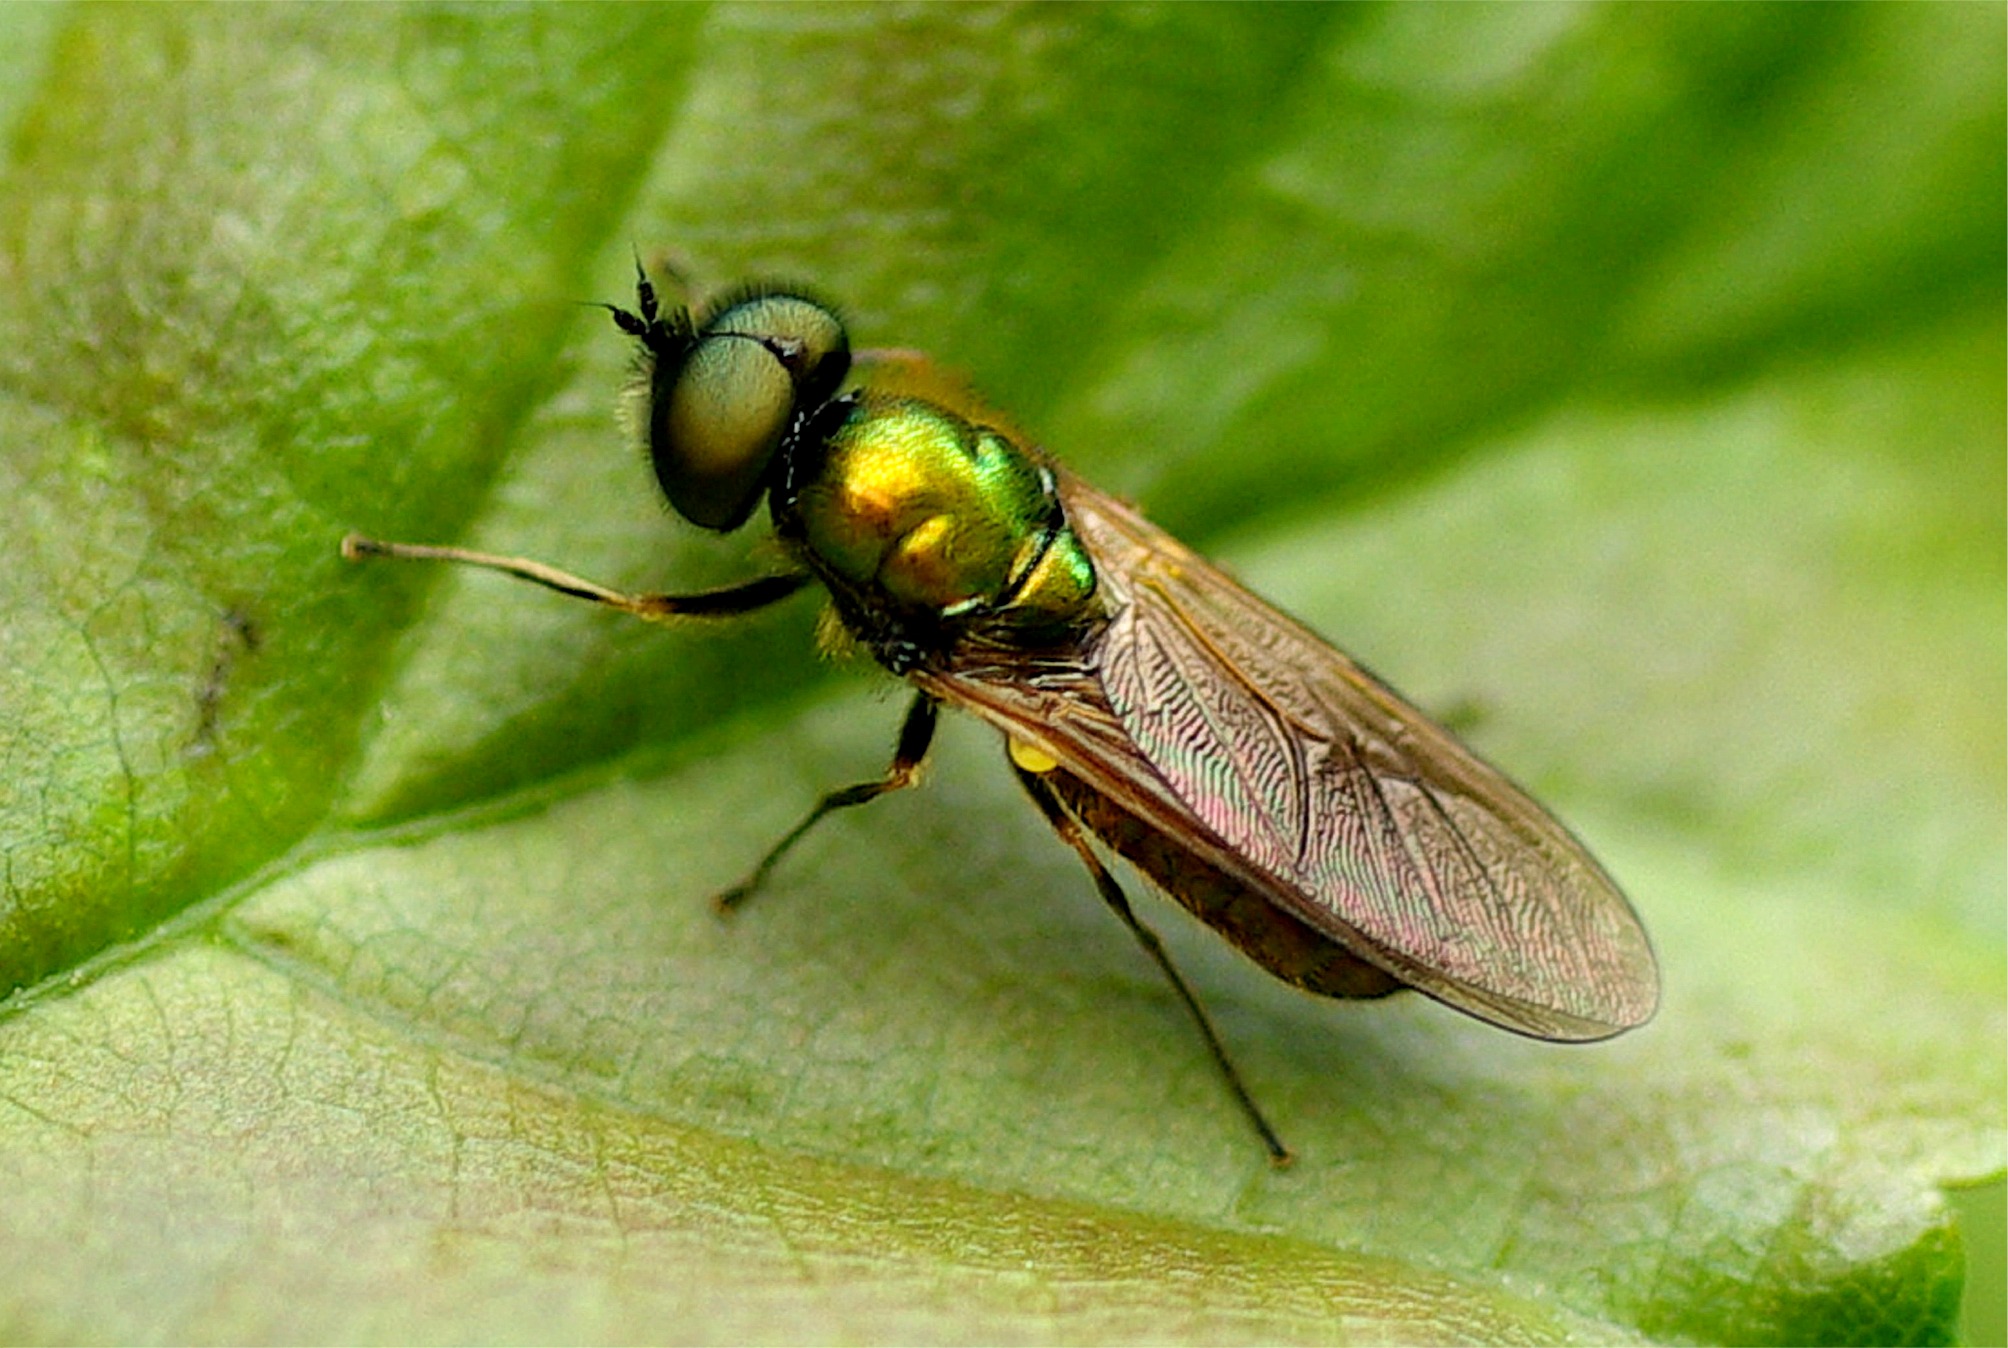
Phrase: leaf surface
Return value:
(1623, 383)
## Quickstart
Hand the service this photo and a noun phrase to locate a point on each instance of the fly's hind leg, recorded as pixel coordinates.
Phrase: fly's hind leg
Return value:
(915, 734)
(1075, 836)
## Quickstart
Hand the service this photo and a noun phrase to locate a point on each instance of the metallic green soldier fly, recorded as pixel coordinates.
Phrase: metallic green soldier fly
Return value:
(1289, 799)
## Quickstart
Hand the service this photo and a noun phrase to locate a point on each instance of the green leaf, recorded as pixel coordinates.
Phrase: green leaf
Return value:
(1623, 382)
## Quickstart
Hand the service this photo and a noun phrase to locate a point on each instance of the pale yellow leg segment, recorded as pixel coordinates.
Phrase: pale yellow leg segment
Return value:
(724, 603)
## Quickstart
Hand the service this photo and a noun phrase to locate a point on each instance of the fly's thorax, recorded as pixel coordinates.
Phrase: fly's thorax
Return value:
(917, 512)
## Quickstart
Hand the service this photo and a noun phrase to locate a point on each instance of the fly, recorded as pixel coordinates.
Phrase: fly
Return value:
(1289, 799)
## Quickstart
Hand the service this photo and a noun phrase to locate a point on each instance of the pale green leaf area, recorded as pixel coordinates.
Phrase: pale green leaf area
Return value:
(1625, 383)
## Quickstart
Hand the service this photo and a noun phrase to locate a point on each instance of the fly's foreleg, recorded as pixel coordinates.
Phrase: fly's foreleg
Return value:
(726, 603)
(916, 733)
(1075, 836)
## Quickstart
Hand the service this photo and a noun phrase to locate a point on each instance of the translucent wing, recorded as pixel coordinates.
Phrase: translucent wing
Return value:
(1307, 778)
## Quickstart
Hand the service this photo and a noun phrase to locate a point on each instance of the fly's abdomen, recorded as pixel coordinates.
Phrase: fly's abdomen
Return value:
(1255, 924)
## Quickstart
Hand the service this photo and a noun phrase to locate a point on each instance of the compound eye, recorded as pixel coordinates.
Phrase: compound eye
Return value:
(714, 430)
(718, 417)
(804, 336)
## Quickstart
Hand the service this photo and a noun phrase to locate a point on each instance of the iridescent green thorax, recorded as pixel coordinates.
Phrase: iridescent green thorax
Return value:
(917, 516)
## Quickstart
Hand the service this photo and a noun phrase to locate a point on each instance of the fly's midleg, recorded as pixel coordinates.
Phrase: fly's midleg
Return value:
(916, 733)
(1074, 836)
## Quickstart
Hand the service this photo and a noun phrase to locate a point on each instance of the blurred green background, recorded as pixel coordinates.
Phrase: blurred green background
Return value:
(1623, 381)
